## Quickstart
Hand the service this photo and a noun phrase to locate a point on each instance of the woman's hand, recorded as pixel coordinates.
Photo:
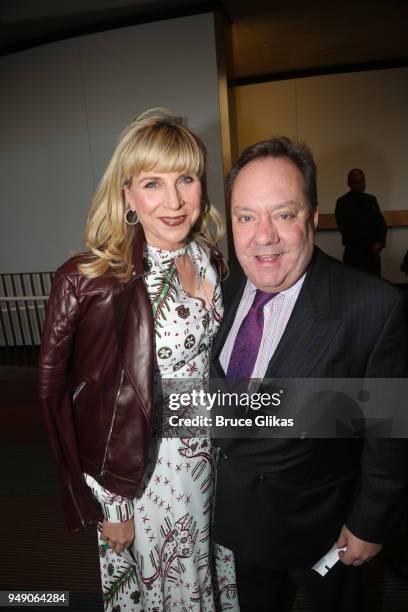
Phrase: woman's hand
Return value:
(118, 536)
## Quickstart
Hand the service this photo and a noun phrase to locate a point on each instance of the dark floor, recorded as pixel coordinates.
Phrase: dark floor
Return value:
(19, 356)
(37, 551)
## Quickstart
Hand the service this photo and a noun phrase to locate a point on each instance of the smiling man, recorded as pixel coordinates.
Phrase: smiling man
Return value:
(273, 223)
(293, 312)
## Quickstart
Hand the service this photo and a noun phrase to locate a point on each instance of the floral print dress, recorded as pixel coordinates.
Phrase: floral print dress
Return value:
(170, 565)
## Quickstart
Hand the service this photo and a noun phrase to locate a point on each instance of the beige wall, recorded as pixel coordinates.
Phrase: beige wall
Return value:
(356, 119)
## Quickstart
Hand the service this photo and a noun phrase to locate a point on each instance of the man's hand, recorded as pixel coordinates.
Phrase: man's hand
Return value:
(358, 551)
(118, 536)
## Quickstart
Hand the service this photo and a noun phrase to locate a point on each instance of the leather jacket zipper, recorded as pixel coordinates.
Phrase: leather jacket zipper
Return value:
(81, 518)
(111, 425)
(78, 390)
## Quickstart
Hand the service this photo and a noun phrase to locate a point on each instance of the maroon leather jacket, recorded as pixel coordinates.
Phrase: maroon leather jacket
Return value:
(96, 383)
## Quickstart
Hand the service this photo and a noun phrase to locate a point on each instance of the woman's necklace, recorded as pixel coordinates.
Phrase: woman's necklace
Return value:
(164, 263)
(171, 268)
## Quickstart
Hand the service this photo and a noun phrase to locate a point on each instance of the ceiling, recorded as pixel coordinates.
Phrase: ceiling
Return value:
(270, 39)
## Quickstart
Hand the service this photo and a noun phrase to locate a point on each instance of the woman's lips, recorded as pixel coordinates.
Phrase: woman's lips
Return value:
(173, 221)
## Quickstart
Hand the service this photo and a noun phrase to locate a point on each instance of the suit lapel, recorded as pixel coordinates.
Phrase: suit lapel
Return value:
(234, 289)
(311, 327)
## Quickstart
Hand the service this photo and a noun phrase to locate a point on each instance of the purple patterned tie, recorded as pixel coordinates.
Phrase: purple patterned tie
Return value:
(249, 336)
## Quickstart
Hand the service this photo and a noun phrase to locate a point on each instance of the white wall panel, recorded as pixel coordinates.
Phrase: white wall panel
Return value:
(63, 107)
(45, 168)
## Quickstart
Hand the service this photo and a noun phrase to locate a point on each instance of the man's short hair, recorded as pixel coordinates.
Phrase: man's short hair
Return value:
(281, 146)
(353, 171)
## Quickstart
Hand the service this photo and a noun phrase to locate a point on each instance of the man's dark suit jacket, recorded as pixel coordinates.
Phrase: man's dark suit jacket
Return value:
(360, 220)
(280, 503)
(362, 225)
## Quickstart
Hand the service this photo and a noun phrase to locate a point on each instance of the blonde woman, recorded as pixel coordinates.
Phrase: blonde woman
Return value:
(137, 309)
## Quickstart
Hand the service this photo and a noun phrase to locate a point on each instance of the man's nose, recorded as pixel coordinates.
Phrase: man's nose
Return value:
(266, 232)
(174, 201)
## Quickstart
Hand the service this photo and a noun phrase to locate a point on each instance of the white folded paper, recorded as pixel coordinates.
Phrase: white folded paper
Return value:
(326, 563)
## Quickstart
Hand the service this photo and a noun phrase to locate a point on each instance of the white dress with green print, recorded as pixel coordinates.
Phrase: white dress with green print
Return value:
(172, 564)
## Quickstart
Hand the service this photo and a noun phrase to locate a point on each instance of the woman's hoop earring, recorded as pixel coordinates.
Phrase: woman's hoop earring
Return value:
(131, 217)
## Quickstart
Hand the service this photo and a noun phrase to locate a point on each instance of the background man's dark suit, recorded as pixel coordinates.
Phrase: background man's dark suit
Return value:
(362, 225)
(281, 503)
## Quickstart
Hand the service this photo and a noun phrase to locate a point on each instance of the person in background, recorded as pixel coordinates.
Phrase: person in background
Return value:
(362, 226)
(140, 307)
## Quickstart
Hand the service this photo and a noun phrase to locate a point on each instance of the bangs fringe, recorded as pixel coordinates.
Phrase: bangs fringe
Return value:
(166, 150)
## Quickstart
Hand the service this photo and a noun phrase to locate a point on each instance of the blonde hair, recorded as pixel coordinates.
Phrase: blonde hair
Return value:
(156, 139)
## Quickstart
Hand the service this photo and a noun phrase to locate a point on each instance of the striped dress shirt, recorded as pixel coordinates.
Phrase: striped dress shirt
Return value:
(276, 316)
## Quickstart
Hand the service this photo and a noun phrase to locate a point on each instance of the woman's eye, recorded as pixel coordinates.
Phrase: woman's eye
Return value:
(187, 179)
(150, 185)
